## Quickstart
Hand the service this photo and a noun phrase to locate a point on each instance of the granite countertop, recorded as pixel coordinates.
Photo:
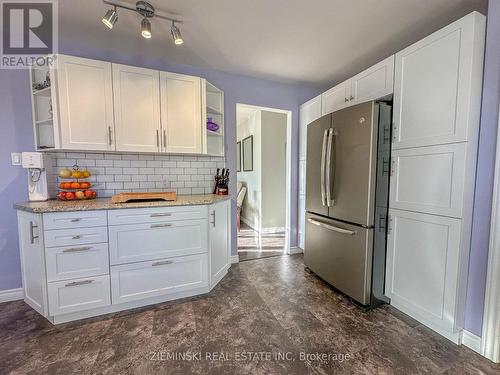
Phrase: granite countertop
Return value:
(106, 204)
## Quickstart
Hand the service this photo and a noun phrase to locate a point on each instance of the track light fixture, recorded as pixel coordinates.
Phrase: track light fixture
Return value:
(176, 34)
(147, 11)
(110, 18)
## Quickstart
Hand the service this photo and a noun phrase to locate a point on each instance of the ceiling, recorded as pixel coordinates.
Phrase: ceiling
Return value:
(312, 42)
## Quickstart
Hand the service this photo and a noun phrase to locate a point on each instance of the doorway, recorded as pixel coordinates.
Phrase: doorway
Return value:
(263, 179)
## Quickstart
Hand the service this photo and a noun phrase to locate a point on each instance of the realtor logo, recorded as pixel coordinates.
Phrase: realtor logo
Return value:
(29, 32)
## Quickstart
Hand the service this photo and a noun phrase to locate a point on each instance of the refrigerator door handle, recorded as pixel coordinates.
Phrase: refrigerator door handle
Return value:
(331, 227)
(323, 156)
(329, 178)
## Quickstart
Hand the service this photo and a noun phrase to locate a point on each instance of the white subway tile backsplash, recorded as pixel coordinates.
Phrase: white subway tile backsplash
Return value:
(122, 172)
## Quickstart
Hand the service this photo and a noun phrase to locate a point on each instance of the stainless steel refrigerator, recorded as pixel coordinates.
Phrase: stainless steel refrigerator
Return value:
(347, 185)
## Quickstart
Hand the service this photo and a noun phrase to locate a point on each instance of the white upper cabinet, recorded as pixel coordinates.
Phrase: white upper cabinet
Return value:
(438, 86)
(181, 113)
(137, 108)
(336, 98)
(85, 103)
(373, 83)
(308, 112)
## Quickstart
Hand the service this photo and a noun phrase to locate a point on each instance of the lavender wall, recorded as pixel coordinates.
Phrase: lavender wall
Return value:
(16, 134)
(484, 175)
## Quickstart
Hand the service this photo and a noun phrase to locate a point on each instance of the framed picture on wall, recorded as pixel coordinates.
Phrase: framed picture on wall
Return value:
(248, 154)
(238, 156)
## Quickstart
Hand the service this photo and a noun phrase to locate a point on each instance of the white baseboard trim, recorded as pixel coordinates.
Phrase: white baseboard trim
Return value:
(295, 250)
(471, 341)
(235, 259)
(11, 295)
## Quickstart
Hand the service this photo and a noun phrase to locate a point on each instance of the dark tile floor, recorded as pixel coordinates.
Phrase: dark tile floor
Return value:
(253, 245)
(267, 305)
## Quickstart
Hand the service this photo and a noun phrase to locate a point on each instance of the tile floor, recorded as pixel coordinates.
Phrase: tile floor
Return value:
(263, 306)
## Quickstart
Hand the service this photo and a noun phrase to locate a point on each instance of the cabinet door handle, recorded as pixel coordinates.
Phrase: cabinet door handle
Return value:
(213, 216)
(158, 139)
(166, 225)
(32, 234)
(75, 220)
(110, 136)
(77, 237)
(162, 263)
(160, 215)
(83, 282)
(164, 139)
(77, 249)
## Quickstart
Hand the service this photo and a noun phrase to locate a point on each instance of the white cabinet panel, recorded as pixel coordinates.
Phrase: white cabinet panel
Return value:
(78, 295)
(32, 260)
(130, 282)
(373, 83)
(139, 242)
(336, 98)
(181, 113)
(136, 93)
(76, 236)
(72, 262)
(85, 103)
(156, 215)
(422, 267)
(78, 219)
(437, 86)
(302, 221)
(429, 179)
(309, 112)
(220, 240)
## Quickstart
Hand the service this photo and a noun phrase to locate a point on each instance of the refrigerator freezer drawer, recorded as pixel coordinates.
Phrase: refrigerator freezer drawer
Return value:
(341, 254)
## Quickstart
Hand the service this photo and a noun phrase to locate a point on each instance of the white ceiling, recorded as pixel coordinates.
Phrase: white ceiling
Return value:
(314, 42)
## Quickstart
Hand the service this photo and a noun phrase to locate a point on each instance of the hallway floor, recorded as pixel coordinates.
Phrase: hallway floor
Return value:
(252, 245)
(264, 306)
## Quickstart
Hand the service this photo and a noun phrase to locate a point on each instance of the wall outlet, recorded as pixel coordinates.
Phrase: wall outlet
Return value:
(15, 158)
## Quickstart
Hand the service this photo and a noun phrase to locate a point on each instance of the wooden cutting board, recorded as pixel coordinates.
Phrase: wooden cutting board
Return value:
(127, 197)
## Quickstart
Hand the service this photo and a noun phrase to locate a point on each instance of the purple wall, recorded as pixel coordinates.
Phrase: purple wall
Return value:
(16, 135)
(484, 175)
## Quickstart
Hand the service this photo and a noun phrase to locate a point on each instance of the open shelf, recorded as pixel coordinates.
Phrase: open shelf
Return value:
(46, 121)
(213, 110)
(42, 92)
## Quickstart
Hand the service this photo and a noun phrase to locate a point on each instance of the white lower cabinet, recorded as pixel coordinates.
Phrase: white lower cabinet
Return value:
(78, 294)
(220, 240)
(136, 281)
(138, 242)
(423, 268)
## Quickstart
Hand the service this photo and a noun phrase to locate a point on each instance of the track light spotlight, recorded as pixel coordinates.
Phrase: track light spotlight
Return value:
(176, 34)
(110, 18)
(146, 28)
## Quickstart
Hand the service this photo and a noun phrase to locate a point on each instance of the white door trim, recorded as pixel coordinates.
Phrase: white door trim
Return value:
(288, 197)
(490, 338)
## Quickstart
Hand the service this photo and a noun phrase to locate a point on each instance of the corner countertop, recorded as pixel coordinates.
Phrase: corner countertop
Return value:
(106, 204)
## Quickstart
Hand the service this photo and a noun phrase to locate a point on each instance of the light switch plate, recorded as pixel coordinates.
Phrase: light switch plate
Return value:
(15, 158)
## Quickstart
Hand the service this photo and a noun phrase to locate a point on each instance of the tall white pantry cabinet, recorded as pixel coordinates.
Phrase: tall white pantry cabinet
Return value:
(437, 98)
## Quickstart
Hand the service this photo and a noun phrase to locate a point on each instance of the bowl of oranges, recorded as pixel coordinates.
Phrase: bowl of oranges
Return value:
(73, 185)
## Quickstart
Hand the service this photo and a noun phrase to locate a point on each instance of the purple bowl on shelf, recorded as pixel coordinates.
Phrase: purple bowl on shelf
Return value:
(212, 126)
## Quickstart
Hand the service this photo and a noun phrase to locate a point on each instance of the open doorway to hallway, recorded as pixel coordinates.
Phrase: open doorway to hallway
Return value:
(262, 181)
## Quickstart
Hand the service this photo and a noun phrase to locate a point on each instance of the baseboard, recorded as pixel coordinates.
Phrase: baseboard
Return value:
(235, 259)
(11, 295)
(471, 341)
(295, 250)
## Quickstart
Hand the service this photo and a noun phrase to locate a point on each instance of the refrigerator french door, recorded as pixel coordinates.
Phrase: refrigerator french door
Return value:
(341, 196)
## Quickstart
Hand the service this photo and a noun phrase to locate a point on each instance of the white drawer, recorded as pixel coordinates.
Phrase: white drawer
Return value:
(157, 214)
(143, 242)
(78, 294)
(65, 220)
(130, 282)
(71, 237)
(72, 262)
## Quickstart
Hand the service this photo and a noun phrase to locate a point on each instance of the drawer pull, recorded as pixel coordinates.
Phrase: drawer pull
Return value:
(160, 215)
(161, 225)
(77, 249)
(162, 263)
(76, 220)
(77, 283)
(77, 237)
